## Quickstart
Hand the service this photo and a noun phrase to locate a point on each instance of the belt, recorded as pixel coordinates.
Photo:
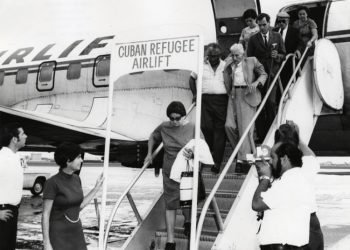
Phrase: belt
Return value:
(240, 86)
(8, 206)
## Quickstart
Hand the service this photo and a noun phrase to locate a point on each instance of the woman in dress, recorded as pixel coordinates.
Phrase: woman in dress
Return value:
(63, 199)
(249, 17)
(174, 134)
(307, 28)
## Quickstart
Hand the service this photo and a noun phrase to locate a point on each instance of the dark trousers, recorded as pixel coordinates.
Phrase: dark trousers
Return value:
(316, 236)
(282, 247)
(8, 229)
(268, 113)
(213, 117)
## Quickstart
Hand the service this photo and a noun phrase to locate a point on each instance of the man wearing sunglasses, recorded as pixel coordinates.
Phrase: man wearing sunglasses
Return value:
(290, 36)
(289, 33)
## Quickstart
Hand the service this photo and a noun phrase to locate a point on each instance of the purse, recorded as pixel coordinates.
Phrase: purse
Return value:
(186, 186)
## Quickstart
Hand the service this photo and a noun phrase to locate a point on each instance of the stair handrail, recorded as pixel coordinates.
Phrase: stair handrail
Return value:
(131, 185)
(234, 153)
(287, 88)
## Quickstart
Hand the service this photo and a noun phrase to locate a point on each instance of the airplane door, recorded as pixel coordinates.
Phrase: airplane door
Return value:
(46, 76)
(228, 20)
(338, 31)
(101, 71)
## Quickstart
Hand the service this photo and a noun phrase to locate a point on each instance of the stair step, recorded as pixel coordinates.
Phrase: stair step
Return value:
(182, 243)
(206, 168)
(209, 221)
(224, 199)
(231, 181)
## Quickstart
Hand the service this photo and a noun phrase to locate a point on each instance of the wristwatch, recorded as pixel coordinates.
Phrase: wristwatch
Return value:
(264, 177)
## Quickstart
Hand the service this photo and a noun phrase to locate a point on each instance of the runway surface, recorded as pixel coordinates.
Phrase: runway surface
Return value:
(332, 190)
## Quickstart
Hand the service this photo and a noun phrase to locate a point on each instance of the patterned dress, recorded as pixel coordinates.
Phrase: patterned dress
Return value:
(65, 230)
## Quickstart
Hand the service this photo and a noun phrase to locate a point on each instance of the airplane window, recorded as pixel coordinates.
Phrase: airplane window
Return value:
(22, 76)
(73, 71)
(103, 67)
(2, 76)
(46, 72)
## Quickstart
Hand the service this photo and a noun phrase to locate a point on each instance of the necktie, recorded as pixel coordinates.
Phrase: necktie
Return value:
(265, 40)
(281, 32)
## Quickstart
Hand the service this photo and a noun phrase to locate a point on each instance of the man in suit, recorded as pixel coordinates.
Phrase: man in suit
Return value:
(268, 47)
(290, 37)
(242, 76)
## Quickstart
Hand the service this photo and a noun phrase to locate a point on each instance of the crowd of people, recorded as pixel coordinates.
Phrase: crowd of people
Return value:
(232, 89)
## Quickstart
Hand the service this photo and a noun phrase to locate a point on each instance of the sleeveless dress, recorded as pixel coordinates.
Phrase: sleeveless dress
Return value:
(65, 230)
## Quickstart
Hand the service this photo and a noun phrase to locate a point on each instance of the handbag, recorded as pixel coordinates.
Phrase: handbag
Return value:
(186, 186)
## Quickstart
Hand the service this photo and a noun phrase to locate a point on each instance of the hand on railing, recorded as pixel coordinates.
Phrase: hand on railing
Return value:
(194, 98)
(297, 54)
(148, 159)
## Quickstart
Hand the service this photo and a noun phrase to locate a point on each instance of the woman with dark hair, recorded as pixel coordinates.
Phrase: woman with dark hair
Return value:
(307, 28)
(289, 132)
(249, 17)
(174, 134)
(63, 199)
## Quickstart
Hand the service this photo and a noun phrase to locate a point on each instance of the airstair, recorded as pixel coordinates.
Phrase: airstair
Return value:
(225, 219)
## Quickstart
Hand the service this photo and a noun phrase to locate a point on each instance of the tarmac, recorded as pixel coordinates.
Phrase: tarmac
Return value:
(332, 194)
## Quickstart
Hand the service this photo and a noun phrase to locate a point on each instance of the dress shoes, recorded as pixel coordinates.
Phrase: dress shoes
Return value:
(242, 167)
(170, 246)
(187, 229)
(215, 169)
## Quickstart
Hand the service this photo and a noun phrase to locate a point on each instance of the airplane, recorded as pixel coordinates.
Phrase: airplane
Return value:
(55, 67)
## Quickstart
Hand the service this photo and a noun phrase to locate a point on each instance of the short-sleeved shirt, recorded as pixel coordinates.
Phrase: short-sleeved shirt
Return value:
(67, 194)
(305, 28)
(11, 177)
(291, 200)
(174, 139)
(212, 81)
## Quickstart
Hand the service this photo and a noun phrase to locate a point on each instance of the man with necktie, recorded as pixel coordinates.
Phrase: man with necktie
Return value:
(290, 37)
(268, 47)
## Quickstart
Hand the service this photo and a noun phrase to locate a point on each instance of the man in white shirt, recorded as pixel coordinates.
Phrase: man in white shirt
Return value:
(214, 103)
(13, 138)
(287, 204)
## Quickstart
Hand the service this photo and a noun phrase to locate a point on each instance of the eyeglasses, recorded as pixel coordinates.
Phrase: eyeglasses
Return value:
(282, 21)
(177, 118)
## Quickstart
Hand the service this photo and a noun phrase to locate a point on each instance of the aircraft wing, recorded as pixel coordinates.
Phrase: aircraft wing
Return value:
(45, 130)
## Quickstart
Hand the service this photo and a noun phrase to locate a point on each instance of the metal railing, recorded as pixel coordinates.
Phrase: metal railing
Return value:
(287, 89)
(127, 194)
(235, 151)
